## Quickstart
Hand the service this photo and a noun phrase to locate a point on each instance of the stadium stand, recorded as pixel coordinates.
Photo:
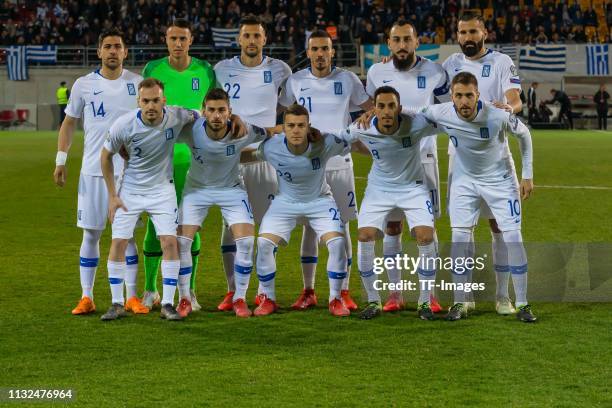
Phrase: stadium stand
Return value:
(71, 22)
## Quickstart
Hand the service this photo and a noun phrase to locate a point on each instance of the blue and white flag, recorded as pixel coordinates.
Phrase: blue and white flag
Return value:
(543, 58)
(374, 53)
(17, 63)
(597, 59)
(43, 54)
(225, 37)
(510, 50)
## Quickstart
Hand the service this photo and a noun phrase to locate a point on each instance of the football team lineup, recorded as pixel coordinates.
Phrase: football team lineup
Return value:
(185, 137)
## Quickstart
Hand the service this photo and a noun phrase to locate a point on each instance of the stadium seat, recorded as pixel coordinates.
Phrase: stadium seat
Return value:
(23, 115)
(7, 117)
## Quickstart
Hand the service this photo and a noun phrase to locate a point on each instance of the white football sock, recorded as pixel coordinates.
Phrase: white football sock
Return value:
(517, 260)
(184, 276)
(336, 264)
(243, 266)
(365, 261)
(500, 264)
(89, 257)
(116, 275)
(426, 270)
(309, 255)
(392, 245)
(348, 246)
(228, 253)
(266, 267)
(131, 268)
(462, 247)
(170, 273)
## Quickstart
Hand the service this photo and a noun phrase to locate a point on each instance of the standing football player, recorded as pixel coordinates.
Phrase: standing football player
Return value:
(148, 134)
(303, 195)
(483, 172)
(214, 179)
(186, 81)
(395, 182)
(418, 80)
(329, 94)
(498, 83)
(252, 82)
(99, 98)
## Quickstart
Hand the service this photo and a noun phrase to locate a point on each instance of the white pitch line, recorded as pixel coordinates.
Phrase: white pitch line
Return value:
(543, 186)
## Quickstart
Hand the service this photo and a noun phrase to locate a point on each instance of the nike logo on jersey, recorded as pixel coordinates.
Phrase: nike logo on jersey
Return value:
(457, 69)
(98, 92)
(386, 81)
(304, 89)
(280, 164)
(233, 75)
(371, 142)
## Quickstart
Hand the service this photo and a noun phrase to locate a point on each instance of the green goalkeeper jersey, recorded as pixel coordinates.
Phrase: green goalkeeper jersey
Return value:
(186, 88)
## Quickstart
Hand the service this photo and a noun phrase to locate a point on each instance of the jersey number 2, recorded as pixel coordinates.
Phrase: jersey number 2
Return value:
(236, 87)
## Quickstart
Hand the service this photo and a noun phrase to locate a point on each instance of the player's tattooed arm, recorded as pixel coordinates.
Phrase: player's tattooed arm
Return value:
(64, 141)
(239, 128)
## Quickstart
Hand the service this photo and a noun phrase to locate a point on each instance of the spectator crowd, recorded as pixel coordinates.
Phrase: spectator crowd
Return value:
(78, 22)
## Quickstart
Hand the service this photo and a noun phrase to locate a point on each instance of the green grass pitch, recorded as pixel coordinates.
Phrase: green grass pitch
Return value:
(292, 358)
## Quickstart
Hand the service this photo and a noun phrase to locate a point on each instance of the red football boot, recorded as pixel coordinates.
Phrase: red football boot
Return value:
(226, 304)
(338, 308)
(266, 306)
(348, 300)
(306, 299)
(395, 302)
(241, 309)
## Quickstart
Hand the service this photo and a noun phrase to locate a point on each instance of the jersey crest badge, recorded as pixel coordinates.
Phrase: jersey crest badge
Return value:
(230, 150)
(486, 70)
(421, 82)
(406, 142)
(169, 134)
(267, 77)
(195, 84)
(131, 89)
(316, 163)
(484, 133)
(337, 88)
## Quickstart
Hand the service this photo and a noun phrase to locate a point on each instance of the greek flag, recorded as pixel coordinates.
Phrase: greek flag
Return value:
(17, 63)
(43, 54)
(509, 49)
(543, 58)
(225, 37)
(597, 59)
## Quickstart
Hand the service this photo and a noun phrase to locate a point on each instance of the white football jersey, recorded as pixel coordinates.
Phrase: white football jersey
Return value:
(328, 101)
(253, 91)
(150, 148)
(215, 163)
(495, 73)
(396, 158)
(301, 178)
(417, 88)
(480, 145)
(99, 102)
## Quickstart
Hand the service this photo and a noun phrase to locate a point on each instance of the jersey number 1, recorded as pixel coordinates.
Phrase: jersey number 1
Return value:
(99, 111)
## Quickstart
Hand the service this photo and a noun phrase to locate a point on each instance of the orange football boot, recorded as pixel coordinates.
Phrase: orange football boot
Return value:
(85, 306)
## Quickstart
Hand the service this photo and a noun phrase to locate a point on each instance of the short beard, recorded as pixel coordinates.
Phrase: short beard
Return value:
(472, 51)
(403, 64)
